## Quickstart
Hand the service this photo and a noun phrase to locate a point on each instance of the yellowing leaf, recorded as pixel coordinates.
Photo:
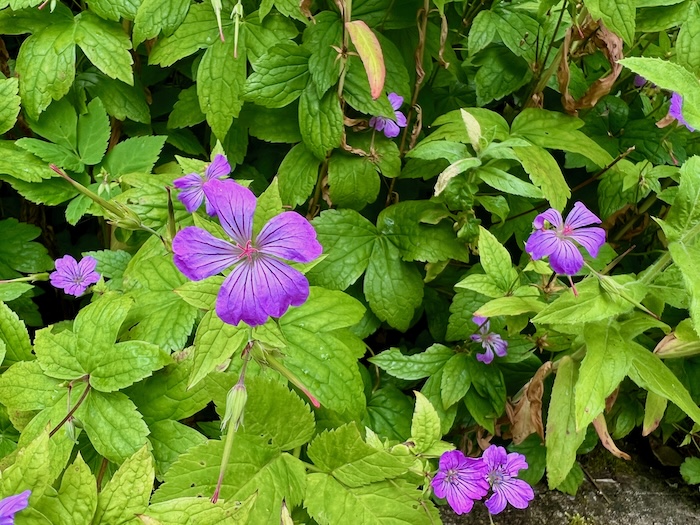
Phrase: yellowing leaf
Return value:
(371, 55)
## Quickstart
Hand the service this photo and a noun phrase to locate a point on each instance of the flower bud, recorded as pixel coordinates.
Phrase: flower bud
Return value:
(235, 405)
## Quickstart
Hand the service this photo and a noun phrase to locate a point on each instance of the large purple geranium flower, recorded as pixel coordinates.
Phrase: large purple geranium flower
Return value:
(11, 505)
(260, 285)
(390, 127)
(501, 471)
(74, 277)
(191, 186)
(460, 480)
(558, 243)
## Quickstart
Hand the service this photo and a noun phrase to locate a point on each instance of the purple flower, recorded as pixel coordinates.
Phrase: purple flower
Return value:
(191, 186)
(460, 480)
(491, 341)
(557, 243)
(639, 81)
(74, 277)
(391, 128)
(10, 505)
(501, 471)
(260, 284)
(675, 110)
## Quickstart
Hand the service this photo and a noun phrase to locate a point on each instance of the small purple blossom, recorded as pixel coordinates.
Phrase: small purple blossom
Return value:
(391, 128)
(260, 285)
(191, 186)
(639, 81)
(501, 471)
(74, 277)
(492, 342)
(558, 242)
(675, 110)
(10, 505)
(460, 480)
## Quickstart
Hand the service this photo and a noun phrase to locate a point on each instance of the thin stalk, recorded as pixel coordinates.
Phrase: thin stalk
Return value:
(72, 410)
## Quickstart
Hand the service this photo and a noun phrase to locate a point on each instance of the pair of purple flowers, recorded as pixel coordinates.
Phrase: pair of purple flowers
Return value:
(260, 285)
(11, 505)
(462, 480)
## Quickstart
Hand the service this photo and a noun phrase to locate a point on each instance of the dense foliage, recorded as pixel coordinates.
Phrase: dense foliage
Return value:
(438, 149)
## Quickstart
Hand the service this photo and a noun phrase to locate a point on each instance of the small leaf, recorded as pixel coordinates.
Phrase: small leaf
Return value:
(280, 76)
(425, 425)
(9, 103)
(371, 55)
(134, 155)
(93, 133)
(415, 366)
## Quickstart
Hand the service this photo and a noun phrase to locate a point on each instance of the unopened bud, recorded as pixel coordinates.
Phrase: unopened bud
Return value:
(235, 405)
(285, 516)
(672, 347)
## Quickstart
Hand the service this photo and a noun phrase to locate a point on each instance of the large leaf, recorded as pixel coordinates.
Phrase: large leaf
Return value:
(280, 76)
(320, 121)
(198, 30)
(9, 103)
(106, 45)
(154, 16)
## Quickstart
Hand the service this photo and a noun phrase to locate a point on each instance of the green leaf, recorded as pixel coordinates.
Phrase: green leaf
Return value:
(197, 31)
(505, 182)
(344, 455)
(13, 333)
(24, 386)
(687, 46)
(46, 66)
(297, 175)
(403, 224)
(389, 413)
(197, 511)
(321, 38)
(129, 362)
(113, 424)
(186, 111)
(76, 499)
(347, 239)
(30, 469)
(22, 165)
(510, 305)
(154, 16)
(135, 155)
(415, 366)
(690, 470)
(544, 172)
(432, 389)
(496, 262)
(261, 35)
(93, 133)
(254, 466)
(562, 438)
(370, 53)
(456, 380)
(649, 372)
(425, 425)
(9, 103)
(685, 256)
(386, 502)
(163, 317)
(279, 76)
(121, 100)
(58, 354)
(685, 212)
(126, 495)
(273, 125)
(201, 294)
(214, 343)
(51, 153)
(10, 291)
(353, 180)
(394, 289)
(169, 439)
(500, 74)
(106, 45)
(356, 91)
(269, 204)
(602, 370)
(110, 263)
(115, 9)
(617, 15)
(320, 121)
(220, 81)
(654, 409)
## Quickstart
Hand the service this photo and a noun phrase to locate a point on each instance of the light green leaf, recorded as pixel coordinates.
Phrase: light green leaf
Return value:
(57, 354)
(269, 204)
(544, 172)
(24, 386)
(297, 175)
(320, 121)
(353, 180)
(214, 343)
(13, 333)
(197, 31)
(115, 9)
(690, 470)
(687, 44)
(343, 454)
(76, 499)
(425, 425)
(602, 370)
(197, 511)
(134, 155)
(279, 76)
(617, 15)
(46, 66)
(496, 262)
(106, 45)
(51, 153)
(154, 16)
(201, 294)
(30, 469)
(169, 439)
(10, 291)
(562, 438)
(482, 31)
(110, 263)
(482, 284)
(22, 165)
(126, 495)
(432, 389)
(394, 289)
(394, 502)
(505, 182)
(186, 111)
(220, 80)
(510, 305)
(127, 363)
(654, 408)
(9, 103)
(93, 133)
(685, 212)
(113, 424)
(99, 323)
(686, 257)
(415, 366)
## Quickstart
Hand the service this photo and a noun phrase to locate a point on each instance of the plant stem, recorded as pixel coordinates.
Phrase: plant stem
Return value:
(72, 410)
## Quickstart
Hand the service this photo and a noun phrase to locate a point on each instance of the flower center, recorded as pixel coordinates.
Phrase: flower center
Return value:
(567, 230)
(452, 476)
(248, 250)
(496, 477)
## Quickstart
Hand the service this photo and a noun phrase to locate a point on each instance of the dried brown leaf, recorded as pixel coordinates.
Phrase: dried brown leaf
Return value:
(601, 427)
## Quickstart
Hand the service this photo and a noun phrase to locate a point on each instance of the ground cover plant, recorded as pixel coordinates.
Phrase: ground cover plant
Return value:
(281, 261)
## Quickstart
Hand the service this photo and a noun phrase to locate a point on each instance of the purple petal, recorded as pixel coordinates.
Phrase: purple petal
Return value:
(487, 356)
(459, 502)
(581, 216)
(592, 239)
(87, 265)
(391, 129)
(235, 206)
(542, 243)
(198, 254)
(515, 462)
(481, 322)
(191, 193)
(218, 168)
(566, 259)
(289, 236)
(499, 346)
(400, 119)
(676, 110)
(496, 503)
(395, 100)
(639, 81)
(258, 289)
(494, 457)
(451, 459)
(13, 504)
(66, 265)
(517, 492)
(378, 123)
(552, 216)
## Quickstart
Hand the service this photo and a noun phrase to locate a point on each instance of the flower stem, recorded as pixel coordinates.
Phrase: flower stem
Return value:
(72, 410)
(29, 278)
(279, 367)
